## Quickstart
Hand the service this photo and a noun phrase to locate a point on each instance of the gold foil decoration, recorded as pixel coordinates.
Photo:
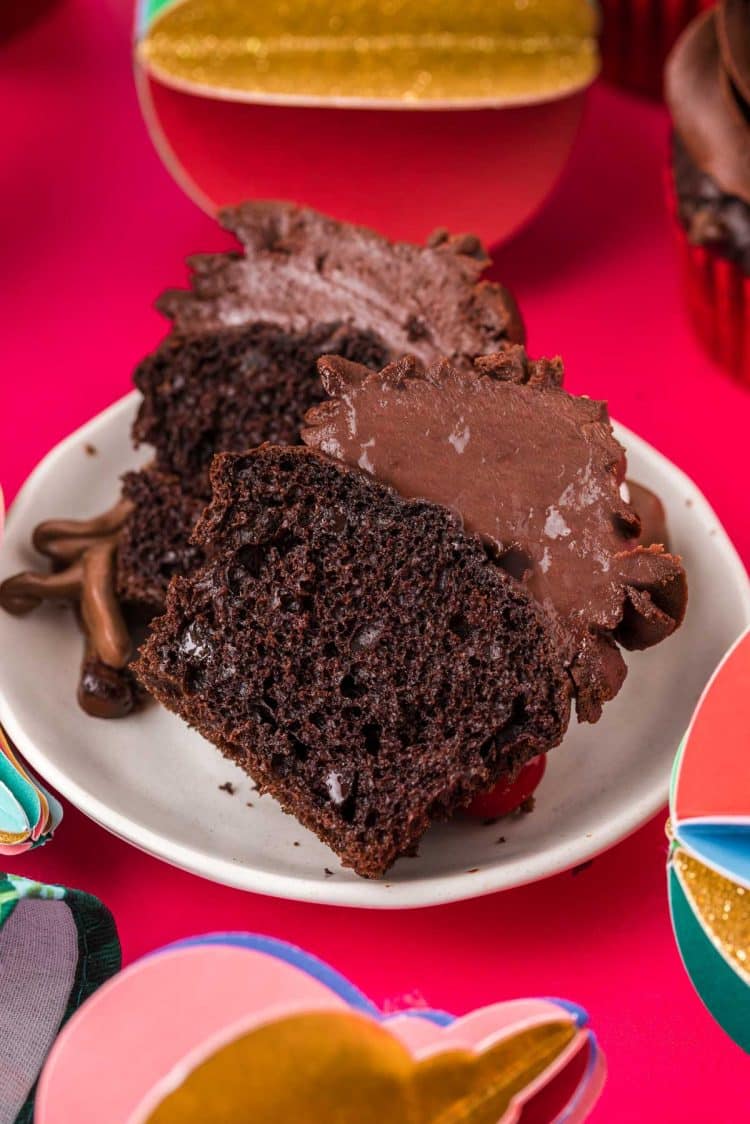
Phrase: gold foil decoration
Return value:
(8, 838)
(400, 52)
(723, 908)
(335, 1068)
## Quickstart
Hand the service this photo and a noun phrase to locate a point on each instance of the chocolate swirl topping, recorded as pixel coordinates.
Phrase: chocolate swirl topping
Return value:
(535, 472)
(707, 85)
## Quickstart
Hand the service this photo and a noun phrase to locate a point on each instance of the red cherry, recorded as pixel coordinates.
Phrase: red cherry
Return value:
(505, 797)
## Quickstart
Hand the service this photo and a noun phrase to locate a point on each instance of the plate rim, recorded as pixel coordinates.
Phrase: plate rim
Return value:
(421, 892)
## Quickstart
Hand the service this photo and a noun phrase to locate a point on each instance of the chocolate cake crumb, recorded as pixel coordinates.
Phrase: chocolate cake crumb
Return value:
(227, 787)
(230, 389)
(154, 541)
(711, 217)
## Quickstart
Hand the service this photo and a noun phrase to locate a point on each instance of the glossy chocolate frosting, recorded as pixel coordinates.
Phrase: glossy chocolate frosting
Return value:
(707, 85)
(535, 472)
(300, 269)
(651, 513)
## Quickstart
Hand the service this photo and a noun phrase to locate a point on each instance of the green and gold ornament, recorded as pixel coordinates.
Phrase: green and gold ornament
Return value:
(709, 861)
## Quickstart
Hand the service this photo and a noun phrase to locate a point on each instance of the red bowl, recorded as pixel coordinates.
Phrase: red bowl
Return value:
(402, 171)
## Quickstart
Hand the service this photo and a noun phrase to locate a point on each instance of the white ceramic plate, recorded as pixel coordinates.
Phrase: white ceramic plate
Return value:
(155, 783)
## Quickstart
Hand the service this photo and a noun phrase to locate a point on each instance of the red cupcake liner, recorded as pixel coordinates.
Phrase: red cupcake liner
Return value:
(717, 294)
(637, 36)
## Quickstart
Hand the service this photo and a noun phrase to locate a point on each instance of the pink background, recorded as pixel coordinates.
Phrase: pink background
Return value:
(91, 229)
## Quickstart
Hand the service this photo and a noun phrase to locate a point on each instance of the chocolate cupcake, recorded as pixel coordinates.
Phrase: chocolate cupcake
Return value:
(708, 92)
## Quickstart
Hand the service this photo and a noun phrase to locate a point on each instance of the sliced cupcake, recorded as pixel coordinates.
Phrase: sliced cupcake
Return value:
(536, 473)
(239, 368)
(358, 653)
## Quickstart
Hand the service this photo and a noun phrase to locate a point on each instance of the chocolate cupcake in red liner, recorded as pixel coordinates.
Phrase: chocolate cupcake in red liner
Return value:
(637, 36)
(708, 92)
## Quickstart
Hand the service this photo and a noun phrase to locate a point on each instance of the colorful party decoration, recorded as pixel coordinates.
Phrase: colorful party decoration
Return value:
(423, 52)
(709, 863)
(346, 105)
(237, 1026)
(56, 947)
(29, 814)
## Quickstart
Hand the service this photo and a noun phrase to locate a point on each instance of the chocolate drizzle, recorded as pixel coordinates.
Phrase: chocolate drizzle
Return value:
(84, 553)
(535, 472)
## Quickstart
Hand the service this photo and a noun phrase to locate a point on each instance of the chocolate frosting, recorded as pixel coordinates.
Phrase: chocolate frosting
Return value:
(651, 514)
(300, 269)
(535, 472)
(103, 691)
(707, 85)
(85, 553)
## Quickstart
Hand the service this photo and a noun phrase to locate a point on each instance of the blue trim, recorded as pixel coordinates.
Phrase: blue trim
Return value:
(334, 981)
(572, 1105)
(290, 954)
(581, 1017)
(725, 846)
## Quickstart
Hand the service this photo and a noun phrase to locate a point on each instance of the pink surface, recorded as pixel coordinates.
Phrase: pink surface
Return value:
(92, 229)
